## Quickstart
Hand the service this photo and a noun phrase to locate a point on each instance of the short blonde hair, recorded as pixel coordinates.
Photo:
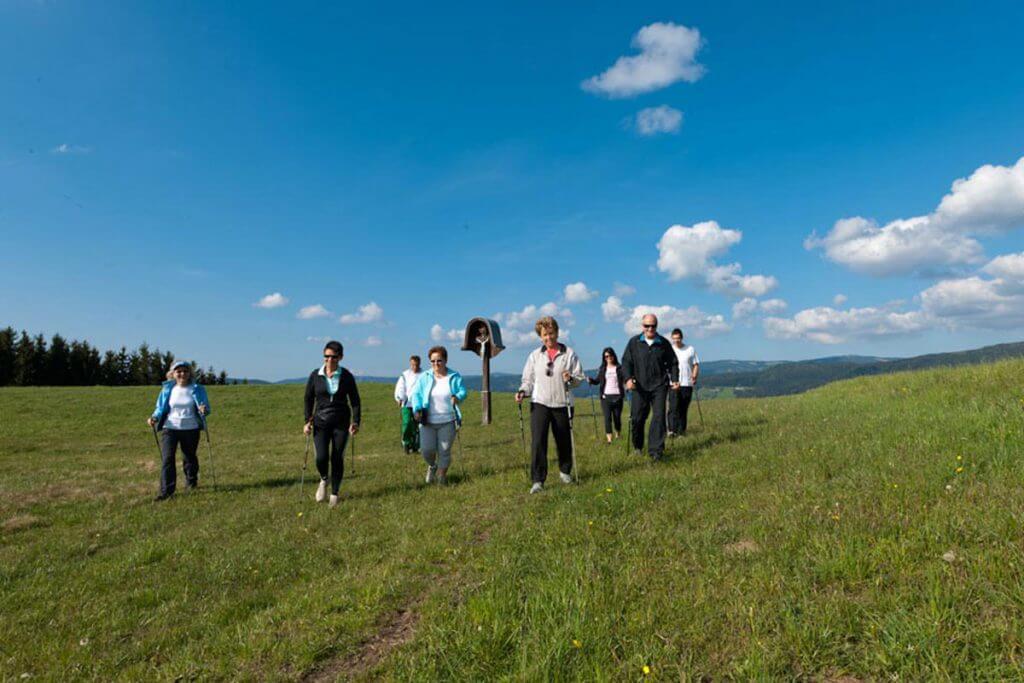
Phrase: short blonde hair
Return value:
(546, 323)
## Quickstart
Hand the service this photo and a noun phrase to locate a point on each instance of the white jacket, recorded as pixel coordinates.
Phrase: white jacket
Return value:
(403, 387)
(551, 391)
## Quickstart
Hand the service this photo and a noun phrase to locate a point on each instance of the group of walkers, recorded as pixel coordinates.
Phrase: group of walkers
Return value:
(661, 375)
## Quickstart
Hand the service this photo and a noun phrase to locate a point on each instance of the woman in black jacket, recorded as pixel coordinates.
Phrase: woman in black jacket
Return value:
(612, 382)
(330, 390)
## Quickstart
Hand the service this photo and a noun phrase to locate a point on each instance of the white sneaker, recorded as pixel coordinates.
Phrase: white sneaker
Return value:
(334, 501)
(566, 478)
(431, 473)
(321, 491)
(537, 487)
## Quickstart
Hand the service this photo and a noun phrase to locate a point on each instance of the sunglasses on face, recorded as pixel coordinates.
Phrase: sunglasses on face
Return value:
(650, 327)
(329, 356)
(436, 361)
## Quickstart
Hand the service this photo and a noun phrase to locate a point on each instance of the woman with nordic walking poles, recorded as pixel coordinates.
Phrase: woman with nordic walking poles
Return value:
(550, 374)
(332, 412)
(435, 402)
(181, 410)
(611, 381)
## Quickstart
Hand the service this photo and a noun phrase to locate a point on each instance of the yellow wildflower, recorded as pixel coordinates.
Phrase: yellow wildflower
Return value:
(647, 670)
(576, 644)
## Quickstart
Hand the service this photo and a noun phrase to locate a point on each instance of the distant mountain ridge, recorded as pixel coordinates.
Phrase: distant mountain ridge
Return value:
(753, 378)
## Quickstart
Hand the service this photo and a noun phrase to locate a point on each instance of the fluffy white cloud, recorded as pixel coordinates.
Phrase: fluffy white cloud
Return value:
(828, 325)
(438, 333)
(748, 306)
(655, 120)
(686, 253)
(373, 341)
(996, 303)
(839, 300)
(579, 293)
(668, 54)
(990, 201)
(692, 321)
(370, 313)
(314, 311)
(275, 300)
(623, 290)
(70, 149)
(613, 310)
(526, 318)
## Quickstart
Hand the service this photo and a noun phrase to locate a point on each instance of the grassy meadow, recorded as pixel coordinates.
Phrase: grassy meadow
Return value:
(870, 529)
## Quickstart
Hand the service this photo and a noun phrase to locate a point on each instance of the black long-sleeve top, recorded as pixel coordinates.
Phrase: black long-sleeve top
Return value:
(332, 411)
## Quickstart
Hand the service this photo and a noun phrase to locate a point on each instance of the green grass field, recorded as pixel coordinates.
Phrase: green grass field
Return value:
(870, 529)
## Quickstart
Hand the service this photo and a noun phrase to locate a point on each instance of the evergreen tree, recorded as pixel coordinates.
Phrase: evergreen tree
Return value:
(108, 369)
(222, 378)
(58, 362)
(140, 360)
(7, 356)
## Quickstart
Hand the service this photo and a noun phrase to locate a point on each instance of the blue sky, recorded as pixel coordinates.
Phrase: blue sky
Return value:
(165, 166)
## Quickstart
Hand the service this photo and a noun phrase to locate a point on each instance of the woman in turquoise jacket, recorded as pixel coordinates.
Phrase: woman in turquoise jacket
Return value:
(181, 410)
(435, 403)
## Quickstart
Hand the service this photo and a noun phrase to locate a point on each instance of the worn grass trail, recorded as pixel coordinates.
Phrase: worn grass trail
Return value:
(870, 528)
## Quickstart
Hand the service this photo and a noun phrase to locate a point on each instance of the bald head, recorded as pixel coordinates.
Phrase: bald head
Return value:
(650, 323)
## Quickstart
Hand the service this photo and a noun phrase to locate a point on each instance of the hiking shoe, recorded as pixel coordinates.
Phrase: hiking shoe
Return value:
(566, 478)
(537, 487)
(162, 497)
(334, 501)
(431, 473)
(321, 491)
(442, 479)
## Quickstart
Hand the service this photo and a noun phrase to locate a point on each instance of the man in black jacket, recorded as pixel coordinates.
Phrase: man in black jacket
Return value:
(651, 368)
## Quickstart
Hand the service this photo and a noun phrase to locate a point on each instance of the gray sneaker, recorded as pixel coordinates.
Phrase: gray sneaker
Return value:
(537, 487)
(334, 501)
(431, 473)
(566, 478)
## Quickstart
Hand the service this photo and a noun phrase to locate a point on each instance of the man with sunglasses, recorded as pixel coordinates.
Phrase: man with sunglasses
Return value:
(651, 369)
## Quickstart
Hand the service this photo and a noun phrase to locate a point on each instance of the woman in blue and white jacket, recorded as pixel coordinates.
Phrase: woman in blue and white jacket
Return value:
(435, 403)
(181, 410)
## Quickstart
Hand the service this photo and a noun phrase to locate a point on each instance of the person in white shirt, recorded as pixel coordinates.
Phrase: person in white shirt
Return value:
(679, 399)
(435, 400)
(611, 382)
(550, 374)
(181, 410)
(403, 395)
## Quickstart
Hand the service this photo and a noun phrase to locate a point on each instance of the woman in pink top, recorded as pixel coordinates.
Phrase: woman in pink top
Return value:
(612, 385)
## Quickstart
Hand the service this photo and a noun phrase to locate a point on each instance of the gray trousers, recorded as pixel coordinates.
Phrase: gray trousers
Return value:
(188, 439)
(436, 444)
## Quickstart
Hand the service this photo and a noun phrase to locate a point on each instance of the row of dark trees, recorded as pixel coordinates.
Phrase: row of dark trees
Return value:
(31, 361)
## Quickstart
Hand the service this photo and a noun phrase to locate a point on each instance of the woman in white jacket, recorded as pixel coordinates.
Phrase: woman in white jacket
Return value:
(550, 374)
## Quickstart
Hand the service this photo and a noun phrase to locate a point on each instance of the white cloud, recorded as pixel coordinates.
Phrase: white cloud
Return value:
(70, 149)
(373, 341)
(748, 306)
(613, 310)
(318, 339)
(314, 311)
(990, 201)
(828, 325)
(370, 313)
(839, 299)
(578, 293)
(692, 321)
(438, 333)
(654, 120)
(526, 318)
(275, 300)
(667, 55)
(623, 290)
(686, 253)
(996, 303)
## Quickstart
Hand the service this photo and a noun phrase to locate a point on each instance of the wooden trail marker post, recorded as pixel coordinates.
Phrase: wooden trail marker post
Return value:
(483, 337)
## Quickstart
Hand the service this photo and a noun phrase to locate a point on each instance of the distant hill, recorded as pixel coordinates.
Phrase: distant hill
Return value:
(795, 377)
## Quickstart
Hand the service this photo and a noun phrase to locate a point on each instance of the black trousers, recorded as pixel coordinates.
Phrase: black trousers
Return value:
(188, 439)
(645, 402)
(678, 407)
(330, 453)
(611, 406)
(543, 418)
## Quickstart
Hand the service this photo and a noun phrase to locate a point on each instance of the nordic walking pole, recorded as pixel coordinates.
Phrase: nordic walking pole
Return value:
(353, 454)
(629, 425)
(522, 436)
(209, 450)
(572, 434)
(696, 392)
(157, 439)
(305, 461)
(593, 414)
